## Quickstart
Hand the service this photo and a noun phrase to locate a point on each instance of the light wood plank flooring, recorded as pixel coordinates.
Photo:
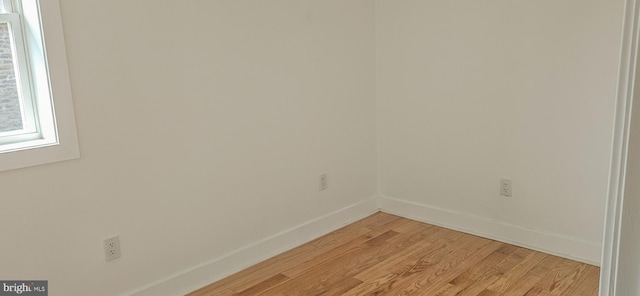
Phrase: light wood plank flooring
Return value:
(387, 255)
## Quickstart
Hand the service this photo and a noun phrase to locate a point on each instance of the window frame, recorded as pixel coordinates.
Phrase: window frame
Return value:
(20, 59)
(47, 63)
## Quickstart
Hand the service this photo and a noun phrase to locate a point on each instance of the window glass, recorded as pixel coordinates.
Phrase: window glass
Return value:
(11, 114)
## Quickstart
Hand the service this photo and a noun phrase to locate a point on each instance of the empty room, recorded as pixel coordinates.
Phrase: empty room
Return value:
(318, 147)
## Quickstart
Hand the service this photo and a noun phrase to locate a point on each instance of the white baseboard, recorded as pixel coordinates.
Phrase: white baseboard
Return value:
(563, 246)
(204, 274)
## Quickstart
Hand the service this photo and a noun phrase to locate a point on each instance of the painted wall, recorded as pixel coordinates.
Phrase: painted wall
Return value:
(203, 128)
(472, 91)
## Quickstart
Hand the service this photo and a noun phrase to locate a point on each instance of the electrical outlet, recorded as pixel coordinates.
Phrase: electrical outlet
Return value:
(112, 248)
(324, 183)
(505, 187)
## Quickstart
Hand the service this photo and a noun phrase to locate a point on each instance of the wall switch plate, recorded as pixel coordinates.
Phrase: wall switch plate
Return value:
(506, 187)
(112, 248)
(324, 182)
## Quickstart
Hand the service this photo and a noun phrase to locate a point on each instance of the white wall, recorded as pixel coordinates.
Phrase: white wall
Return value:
(472, 91)
(203, 128)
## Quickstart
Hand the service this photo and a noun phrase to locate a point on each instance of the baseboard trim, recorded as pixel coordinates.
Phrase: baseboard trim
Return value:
(563, 246)
(204, 274)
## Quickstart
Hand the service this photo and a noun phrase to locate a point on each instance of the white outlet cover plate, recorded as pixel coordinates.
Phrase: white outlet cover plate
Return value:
(112, 248)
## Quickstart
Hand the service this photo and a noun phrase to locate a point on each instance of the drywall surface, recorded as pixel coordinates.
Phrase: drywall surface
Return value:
(473, 91)
(203, 128)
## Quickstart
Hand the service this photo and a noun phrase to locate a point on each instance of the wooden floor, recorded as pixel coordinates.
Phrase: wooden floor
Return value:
(388, 255)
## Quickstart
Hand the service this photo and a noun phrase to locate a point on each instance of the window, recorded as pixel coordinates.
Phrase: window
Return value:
(37, 124)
